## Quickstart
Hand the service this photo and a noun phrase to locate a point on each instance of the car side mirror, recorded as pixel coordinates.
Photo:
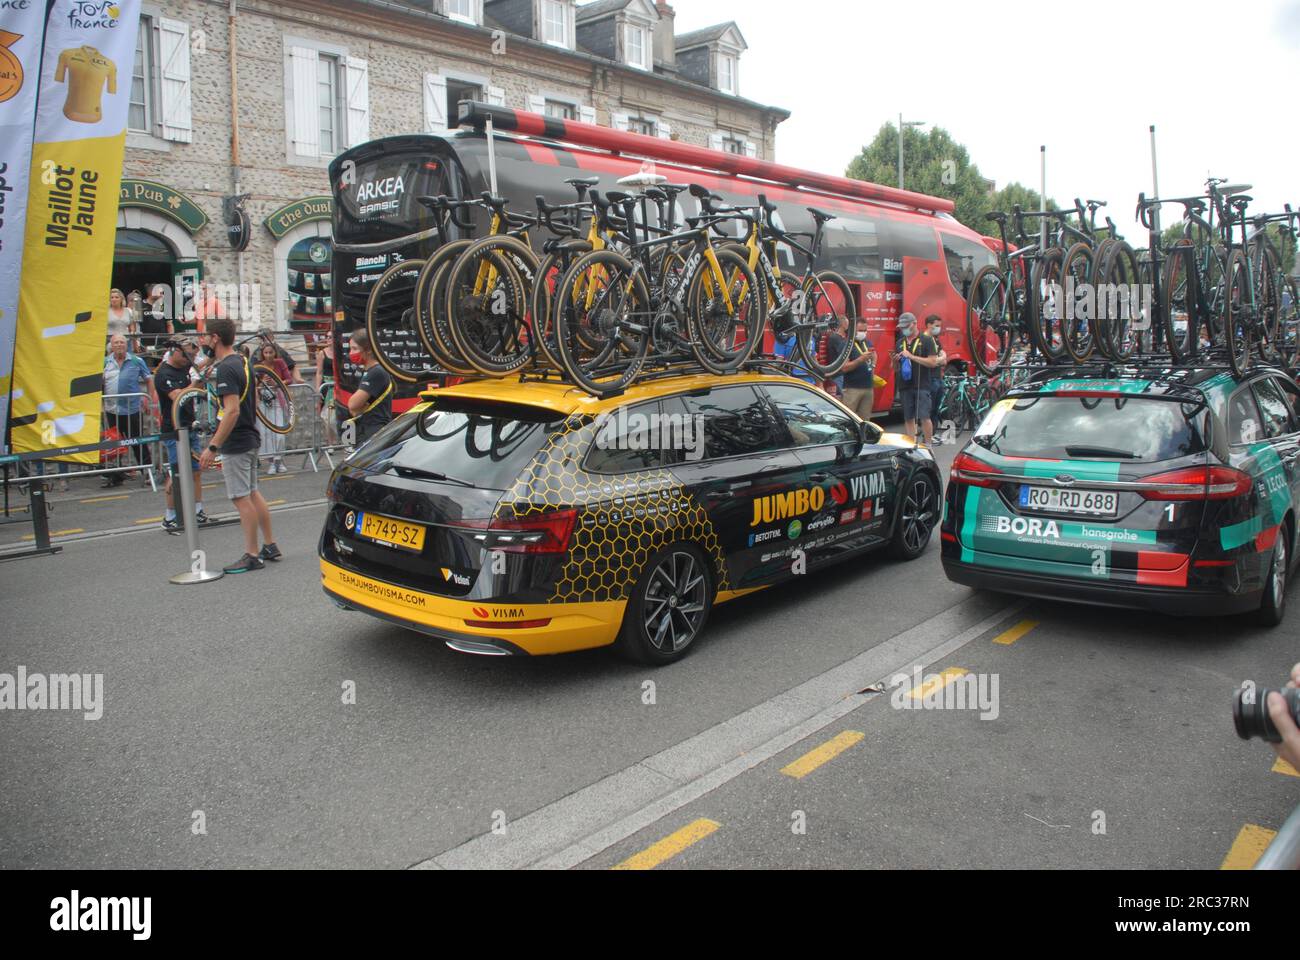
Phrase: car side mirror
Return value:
(869, 433)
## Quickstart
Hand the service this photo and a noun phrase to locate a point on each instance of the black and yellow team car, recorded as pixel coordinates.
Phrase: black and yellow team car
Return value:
(509, 517)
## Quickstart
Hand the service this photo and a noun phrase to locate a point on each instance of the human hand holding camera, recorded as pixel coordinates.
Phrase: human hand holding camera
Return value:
(1271, 715)
(1280, 712)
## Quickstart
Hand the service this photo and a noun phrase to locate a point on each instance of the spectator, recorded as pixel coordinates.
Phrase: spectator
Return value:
(271, 402)
(918, 355)
(834, 347)
(1289, 748)
(788, 349)
(295, 376)
(325, 374)
(371, 405)
(171, 377)
(237, 439)
(152, 317)
(934, 327)
(860, 374)
(207, 306)
(126, 377)
(120, 318)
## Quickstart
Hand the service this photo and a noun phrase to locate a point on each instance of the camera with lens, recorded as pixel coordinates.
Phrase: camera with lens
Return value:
(1250, 712)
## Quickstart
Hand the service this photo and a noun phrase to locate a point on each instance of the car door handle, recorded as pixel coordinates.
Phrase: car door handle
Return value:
(820, 477)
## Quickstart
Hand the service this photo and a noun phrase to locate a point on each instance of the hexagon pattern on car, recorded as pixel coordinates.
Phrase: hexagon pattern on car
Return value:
(623, 519)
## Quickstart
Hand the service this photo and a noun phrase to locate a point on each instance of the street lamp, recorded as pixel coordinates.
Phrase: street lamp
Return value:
(902, 125)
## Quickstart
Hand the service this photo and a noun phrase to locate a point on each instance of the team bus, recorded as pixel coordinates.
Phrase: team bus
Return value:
(900, 251)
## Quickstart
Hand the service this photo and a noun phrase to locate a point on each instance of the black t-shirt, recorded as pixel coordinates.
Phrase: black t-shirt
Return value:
(922, 345)
(859, 378)
(165, 380)
(231, 377)
(152, 320)
(378, 387)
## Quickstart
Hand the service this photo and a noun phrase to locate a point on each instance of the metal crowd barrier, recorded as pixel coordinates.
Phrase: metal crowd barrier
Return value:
(1284, 852)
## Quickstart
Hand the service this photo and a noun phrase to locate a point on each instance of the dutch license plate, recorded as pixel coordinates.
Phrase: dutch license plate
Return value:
(1090, 503)
(391, 533)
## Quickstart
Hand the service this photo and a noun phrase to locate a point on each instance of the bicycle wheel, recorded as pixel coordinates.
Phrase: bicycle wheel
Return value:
(1047, 304)
(988, 321)
(542, 303)
(724, 330)
(1238, 313)
(602, 323)
(274, 401)
(488, 291)
(199, 411)
(1119, 304)
(1077, 269)
(827, 300)
(1181, 302)
(1267, 302)
(436, 337)
(1289, 325)
(392, 305)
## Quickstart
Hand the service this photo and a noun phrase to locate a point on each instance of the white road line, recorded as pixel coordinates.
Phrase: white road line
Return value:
(581, 825)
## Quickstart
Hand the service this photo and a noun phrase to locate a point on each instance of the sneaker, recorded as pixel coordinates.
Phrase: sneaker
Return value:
(202, 518)
(937, 441)
(271, 552)
(173, 525)
(244, 564)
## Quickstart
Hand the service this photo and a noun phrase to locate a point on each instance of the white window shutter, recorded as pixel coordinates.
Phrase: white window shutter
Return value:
(619, 121)
(663, 130)
(306, 121)
(174, 46)
(435, 103)
(587, 114)
(496, 96)
(715, 141)
(751, 148)
(357, 79)
(536, 103)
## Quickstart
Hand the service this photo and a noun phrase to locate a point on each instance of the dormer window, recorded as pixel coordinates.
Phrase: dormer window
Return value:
(462, 10)
(727, 81)
(636, 46)
(557, 23)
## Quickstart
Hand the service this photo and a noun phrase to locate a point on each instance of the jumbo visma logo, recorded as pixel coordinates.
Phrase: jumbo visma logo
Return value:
(794, 503)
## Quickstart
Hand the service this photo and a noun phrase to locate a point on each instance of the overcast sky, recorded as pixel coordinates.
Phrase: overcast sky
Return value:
(844, 68)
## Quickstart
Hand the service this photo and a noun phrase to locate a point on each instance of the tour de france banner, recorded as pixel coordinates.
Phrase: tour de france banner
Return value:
(22, 35)
(76, 173)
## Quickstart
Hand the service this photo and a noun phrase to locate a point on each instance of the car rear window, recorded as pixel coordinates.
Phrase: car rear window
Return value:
(1092, 428)
(484, 445)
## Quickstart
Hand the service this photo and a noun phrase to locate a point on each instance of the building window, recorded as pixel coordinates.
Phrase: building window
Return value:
(636, 46)
(559, 110)
(727, 73)
(140, 114)
(555, 23)
(733, 145)
(327, 103)
(458, 90)
(642, 125)
(461, 10)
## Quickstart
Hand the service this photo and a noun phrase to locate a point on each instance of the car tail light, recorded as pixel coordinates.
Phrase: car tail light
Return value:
(1198, 483)
(977, 473)
(546, 533)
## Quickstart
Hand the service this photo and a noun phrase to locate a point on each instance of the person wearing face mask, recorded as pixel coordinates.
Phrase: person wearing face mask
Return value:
(860, 374)
(171, 377)
(917, 358)
(371, 405)
(934, 327)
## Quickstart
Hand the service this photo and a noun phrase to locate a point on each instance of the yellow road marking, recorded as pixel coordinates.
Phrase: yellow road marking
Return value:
(1248, 847)
(1015, 633)
(56, 533)
(827, 752)
(669, 846)
(139, 523)
(120, 496)
(1281, 766)
(935, 684)
(275, 503)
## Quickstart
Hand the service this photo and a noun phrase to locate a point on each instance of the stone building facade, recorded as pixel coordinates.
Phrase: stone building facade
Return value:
(262, 114)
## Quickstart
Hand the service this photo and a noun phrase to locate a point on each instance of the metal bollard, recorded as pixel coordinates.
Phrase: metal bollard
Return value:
(198, 572)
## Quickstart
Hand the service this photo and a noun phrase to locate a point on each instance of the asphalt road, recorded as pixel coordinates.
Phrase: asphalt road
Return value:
(224, 707)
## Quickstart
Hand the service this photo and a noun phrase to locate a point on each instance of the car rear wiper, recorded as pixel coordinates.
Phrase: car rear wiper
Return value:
(431, 475)
(1101, 452)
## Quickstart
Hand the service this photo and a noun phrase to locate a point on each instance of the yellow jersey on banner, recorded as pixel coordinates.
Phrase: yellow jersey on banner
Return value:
(85, 71)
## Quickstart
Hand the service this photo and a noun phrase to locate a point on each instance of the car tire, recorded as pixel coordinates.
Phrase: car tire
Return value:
(646, 636)
(919, 509)
(1272, 607)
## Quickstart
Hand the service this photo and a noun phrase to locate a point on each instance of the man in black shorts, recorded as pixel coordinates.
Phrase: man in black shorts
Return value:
(237, 440)
(918, 356)
(371, 405)
(171, 377)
